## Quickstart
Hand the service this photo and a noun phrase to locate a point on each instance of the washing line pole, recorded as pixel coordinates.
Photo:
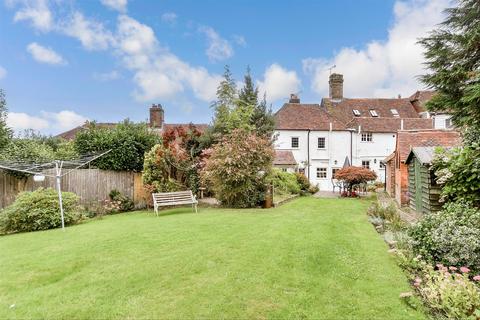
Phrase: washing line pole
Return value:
(58, 177)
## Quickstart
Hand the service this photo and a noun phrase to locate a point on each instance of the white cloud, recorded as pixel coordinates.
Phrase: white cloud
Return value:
(383, 69)
(169, 17)
(3, 72)
(278, 82)
(45, 54)
(107, 76)
(119, 5)
(218, 48)
(62, 120)
(22, 121)
(37, 12)
(91, 34)
(158, 72)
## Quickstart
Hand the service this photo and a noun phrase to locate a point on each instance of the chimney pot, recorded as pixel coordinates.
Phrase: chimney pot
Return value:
(336, 86)
(294, 98)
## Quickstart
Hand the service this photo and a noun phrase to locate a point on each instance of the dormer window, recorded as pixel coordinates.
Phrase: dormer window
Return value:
(373, 113)
(356, 113)
(394, 112)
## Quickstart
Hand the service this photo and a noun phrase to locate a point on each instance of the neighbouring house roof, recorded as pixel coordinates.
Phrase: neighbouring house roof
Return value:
(284, 157)
(419, 98)
(389, 124)
(344, 109)
(300, 116)
(389, 158)
(406, 140)
(423, 154)
(71, 134)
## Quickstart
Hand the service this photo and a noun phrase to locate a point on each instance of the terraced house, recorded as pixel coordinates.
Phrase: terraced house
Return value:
(323, 137)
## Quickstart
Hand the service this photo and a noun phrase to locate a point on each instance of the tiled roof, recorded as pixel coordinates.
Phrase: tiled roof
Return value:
(419, 98)
(344, 109)
(299, 116)
(389, 124)
(71, 134)
(425, 138)
(284, 157)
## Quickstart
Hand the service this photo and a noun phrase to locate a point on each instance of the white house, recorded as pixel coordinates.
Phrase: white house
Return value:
(361, 132)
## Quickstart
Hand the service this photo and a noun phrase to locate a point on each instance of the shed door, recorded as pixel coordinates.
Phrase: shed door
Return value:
(418, 186)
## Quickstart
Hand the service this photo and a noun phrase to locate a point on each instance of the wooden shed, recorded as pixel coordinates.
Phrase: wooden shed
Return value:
(424, 193)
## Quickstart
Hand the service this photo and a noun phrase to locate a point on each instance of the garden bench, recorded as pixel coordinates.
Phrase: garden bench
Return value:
(174, 199)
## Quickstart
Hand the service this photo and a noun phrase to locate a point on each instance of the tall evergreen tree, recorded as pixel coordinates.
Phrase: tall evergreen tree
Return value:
(263, 118)
(225, 104)
(5, 132)
(453, 58)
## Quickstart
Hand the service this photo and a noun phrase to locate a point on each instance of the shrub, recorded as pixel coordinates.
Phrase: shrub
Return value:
(127, 141)
(352, 176)
(458, 171)
(237, 168)
(174, 164)
(451, 236)
(39, 210)
(449, 292)
(284, 182)
(120, 202)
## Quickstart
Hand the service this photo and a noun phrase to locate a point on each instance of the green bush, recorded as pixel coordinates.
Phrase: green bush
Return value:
(451, 236)
(284, 182)
(238, 167)
(39, 210)
(302, 181)
(121, 203)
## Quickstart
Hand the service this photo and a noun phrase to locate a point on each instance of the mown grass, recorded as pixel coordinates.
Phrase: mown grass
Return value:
(310, 258)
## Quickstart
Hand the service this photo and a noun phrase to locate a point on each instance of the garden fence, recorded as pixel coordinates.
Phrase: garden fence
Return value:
(91, 185)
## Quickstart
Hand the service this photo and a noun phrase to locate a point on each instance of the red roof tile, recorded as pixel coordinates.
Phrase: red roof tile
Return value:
(343, 109)
(297, 116)
(284, 157)
(406, 140)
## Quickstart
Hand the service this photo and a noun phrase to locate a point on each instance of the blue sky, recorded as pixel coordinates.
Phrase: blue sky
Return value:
(65, 61)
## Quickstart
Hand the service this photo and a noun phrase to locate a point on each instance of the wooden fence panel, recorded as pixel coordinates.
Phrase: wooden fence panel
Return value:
(91, 185)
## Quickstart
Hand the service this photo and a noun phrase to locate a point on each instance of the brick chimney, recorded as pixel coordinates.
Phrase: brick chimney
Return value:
(156, 116)
(336, 86)
(294, 98)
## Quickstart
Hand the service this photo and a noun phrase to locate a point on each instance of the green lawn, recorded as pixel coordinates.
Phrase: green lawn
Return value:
(310, 258)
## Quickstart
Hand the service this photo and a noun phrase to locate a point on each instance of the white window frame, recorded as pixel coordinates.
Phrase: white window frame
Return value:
(448, 123)
(395, 113)
(367, 162)
(324, 143)
(298, 142)
(321, 170)
(373, 113)
(366, 137)
(356, 113)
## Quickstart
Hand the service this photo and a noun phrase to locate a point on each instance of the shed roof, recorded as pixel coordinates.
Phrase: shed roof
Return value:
(423, 154)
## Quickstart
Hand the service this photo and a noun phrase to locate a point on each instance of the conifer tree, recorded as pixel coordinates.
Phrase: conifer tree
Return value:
(5, 132)
(225, 104)
(453, 58)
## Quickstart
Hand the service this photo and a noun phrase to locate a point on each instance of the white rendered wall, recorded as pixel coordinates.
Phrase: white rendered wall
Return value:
(439, 121)
(337, 147)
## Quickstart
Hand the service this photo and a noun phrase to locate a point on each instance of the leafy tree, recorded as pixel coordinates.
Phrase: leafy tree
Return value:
(127, 141)
(353, 176)
(453, 58)
(237, 168)
(5, 132)
(173, 165)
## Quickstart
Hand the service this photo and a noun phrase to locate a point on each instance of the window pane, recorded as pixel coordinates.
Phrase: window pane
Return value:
(321, 143)
(294, 142)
